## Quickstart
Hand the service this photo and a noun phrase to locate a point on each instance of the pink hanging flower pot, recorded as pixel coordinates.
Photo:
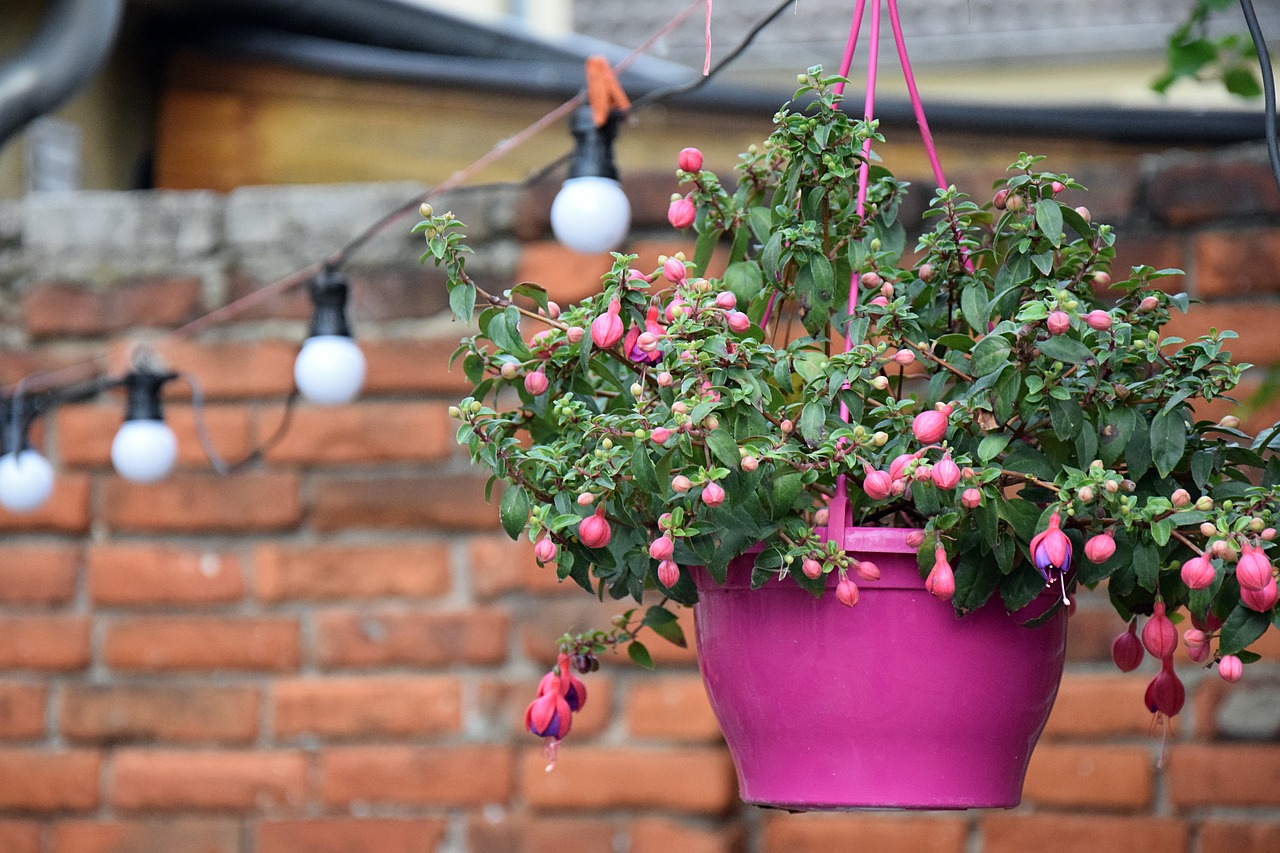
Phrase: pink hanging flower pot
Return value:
(895, 703)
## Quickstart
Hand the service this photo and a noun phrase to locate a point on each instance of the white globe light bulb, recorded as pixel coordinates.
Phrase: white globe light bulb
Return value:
(144, 451)
(26, 480)
(329, 369)
(591, 214)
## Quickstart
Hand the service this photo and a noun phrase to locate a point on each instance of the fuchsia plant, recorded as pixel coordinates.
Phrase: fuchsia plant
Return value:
(1035, 429)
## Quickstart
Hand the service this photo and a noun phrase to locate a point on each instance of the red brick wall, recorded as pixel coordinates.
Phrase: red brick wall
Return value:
(332, 651)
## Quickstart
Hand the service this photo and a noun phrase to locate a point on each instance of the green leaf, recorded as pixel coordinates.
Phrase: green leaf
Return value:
(639, 654)
(1021, 588)
(1201, 467)
(974, 306)
(812, 419)
(990, 354)
(1241, 628)
(1067, 418)
(645, 474)
(1168, 441)
(1049, 220)
(705, 247)
(513, 510)
(963, 343)
(665, 624)
(723, 447)
(784, 492)
(504, 330)
(1065, 348)
(462, 301)
(744, 279)
(815, 292)
(1137, 452)
(536, 292)
(976, 580)
(1161, 531)
(991, 446)
(1146, 564)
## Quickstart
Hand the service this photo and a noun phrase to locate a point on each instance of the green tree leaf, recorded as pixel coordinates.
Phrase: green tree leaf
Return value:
(513, 510)
(639, 654)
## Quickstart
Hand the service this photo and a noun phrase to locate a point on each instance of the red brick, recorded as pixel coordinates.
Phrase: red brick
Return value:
(45, 781)
(38, 574)
(335, 572)
(1198, 188)
(158, 713)
(191, 503)
(351, 835)
(416, 366)
(1229, 774)
(414, 638)
(1097, 706)
(1233, 263)
(497, 566)
(1094, 626)
(441, 502)
(21, 710)
(410, 775)
(1092, 776)
(1253, 320)
(157, 575)
(793, 833)
(1023, 833)
(540, 633)
(180, 835)
(176, 643)
(377, 295)
(62, 308)
(671, 708)
(367, 707)
(567, 275)
(53, 642)
(692, 779)
(368, 432)
(1231, 837)
(521, 832)
(664, 835)
(1162, 251)
(170, 780)
(85, 433)
(19, 836)
(67, 510)
(233, 370)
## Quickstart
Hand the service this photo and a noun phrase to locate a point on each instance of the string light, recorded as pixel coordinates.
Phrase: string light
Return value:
(145, 448)
(330, 366)
(591, 213)
(26, 477)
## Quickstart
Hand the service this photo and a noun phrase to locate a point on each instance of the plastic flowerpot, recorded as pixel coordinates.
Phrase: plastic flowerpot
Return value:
(895, 703)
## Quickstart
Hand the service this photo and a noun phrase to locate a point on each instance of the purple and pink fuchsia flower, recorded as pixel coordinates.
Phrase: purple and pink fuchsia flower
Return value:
(1051, 554)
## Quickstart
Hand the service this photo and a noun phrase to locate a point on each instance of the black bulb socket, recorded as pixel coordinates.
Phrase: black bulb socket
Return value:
(329, 292)
(593, 149)
(142, 395)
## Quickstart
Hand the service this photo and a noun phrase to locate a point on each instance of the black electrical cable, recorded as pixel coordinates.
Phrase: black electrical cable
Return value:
(1268, 85)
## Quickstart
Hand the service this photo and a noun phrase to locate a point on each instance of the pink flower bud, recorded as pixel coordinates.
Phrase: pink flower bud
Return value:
(847, 592)
(682, 213)
(1100, 548)
(689, 160)
(606, 330)
(1230, 668)
(647, 341)
(1058, 322)
(904, 357)
(1126, 649)
(1057, 187)
(726, 300)
(1253, 571)
(1098, 319)
(575, 334)
(680, 483)
(1084, 214)
(971, 498)
(946, 474)
(915, 539)
(586, 499)
(1199, 654)
(941, 582)
(877, 484)
(662, 548)
(594, 530)
(1180, 498)
(535, 383)
(786, 426)
(668, 573)
(923, 473)
(867, 570)
(1159, 636)
(712, 494)
(677, 307)
(898, 467)
(660, 435)
(1001, 200)
(1269, 534)
(930, 427)
(1197, 643)
(1102, 279)
(1261, 600)
(739, 322)
(880, 302)
(750, 463)
(1148, 303)
(665, 379)
(545, 550)
(821, 516)
(812, 568)
(674, 270)
(1198, 572)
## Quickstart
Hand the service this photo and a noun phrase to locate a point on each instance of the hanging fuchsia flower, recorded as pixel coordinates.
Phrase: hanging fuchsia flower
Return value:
(1159, 636)
(668, 573)
(606, 330)
(633, 348)
(536, 382)
(1165, 694)
(946, 474)
(1261, 600)
(545, 550)
(673, 270)
(712, 494)
(898, 467)
(1126, 649)
(929, 427)
(682, 213)
(867, 570)
(847, 592)
(941, 582)
(1231, 668)
(549, 716)
(662, 548)
(1051, 550)
(594, 530)
(971, 498)
(573, 690)
(1198, 572)
(877, 484)
(1253, 570)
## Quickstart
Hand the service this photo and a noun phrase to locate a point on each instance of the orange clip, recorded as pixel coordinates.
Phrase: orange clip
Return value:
(604, 92)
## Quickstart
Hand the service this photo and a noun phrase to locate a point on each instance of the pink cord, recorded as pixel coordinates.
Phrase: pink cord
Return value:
(847, 62)
(706, 63)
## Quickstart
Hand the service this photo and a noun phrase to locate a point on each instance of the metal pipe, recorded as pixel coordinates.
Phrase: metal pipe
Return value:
(68, 48)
